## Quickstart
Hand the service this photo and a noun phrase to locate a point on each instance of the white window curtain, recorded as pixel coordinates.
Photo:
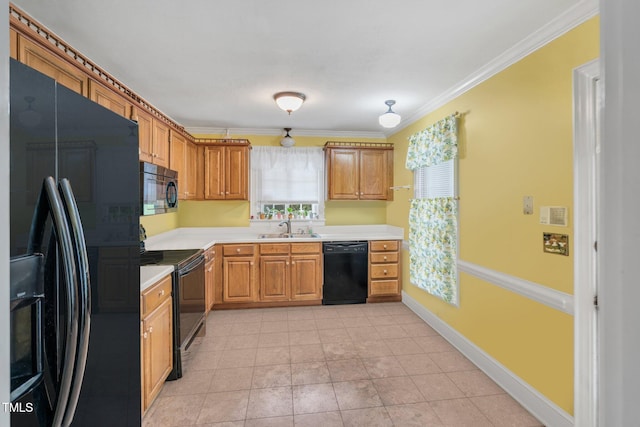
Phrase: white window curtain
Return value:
(433, 217)
(287, 175)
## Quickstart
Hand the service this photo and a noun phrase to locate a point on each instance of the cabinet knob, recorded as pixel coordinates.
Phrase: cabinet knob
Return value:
(385, 258)
(222, 193)
(150, 329)
(238, 250)
(286, 263)
(384, 246)
(226, 192)
(385, 272)
(293, 263)
(209, 270)
(251, 263)
(161, 293)
(145, 335)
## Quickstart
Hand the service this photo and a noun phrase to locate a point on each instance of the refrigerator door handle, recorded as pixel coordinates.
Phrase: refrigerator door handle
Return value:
(84, 295)
(49, 203)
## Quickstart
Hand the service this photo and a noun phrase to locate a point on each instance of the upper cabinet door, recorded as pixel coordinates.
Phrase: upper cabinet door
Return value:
(160, 143)
(177, 162)
(109, 99)
(145, 134)
(214, 172)
(191, 166)
(13, 44)
(47, 63)
(342, 170)
(236, 171)
(374, 179)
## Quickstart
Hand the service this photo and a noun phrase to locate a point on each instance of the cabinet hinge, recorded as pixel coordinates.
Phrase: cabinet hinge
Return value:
(595, 246)
(595, 301)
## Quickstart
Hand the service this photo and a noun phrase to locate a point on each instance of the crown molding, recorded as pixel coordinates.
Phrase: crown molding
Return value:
(568, 20)
(226, 132)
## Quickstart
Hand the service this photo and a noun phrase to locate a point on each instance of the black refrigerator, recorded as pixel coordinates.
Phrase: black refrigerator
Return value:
(75, 267)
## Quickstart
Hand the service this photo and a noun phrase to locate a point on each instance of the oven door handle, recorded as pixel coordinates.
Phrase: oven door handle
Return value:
(192, 265)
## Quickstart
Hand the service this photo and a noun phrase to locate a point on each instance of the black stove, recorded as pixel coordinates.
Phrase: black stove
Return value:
(175, 257)
(188, 297)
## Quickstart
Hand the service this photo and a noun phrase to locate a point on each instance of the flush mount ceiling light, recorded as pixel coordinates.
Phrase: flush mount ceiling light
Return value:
(289, 101)
(389, 119)
(287, 141)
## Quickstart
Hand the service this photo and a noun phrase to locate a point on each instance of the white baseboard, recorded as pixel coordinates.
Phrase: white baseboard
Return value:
(539, 406)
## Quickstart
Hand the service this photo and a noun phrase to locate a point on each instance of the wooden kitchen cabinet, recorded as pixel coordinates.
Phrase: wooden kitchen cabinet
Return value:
(384, 271)
(209, 277)
(153, 137)
(239, 271)
(13, 44)
(290, 272)
(109, 99)
(226, 170)
(156, 339)
(359, 171)
(306, 271)
(50, 64)
(182, 159)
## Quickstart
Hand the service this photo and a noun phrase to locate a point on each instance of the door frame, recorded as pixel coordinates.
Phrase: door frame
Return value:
(586, 169)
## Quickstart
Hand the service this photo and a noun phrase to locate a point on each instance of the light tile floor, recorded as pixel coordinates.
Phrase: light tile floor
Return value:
(348, 365)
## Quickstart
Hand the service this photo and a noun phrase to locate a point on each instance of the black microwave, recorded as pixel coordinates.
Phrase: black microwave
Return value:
(158, 189)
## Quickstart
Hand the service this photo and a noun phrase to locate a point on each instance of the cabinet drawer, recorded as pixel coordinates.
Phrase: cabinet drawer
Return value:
(305, 248)
(382, 271)
(230, 250)
(274, 248)
(210, 254)
(384, 257)
(383, 245)
(384, 287)
(153, 296)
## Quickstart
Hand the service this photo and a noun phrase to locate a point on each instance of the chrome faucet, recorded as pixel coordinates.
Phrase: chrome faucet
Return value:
(288, 223)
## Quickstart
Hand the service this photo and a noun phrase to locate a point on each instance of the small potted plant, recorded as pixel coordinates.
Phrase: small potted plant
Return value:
(290, 210)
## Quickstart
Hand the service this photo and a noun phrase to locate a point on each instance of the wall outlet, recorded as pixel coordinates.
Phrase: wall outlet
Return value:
(527, 205)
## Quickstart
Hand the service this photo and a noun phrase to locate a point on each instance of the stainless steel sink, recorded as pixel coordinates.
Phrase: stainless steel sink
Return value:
(289, 236)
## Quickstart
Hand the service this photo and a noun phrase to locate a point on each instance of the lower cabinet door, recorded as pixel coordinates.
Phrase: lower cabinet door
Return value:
(157, 350)
(239, 279)
(274, 278)
(306, 277)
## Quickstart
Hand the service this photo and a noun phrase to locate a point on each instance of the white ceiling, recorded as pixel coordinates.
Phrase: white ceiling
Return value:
(214, 65)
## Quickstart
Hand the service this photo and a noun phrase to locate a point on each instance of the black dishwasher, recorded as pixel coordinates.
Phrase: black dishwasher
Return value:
(345, 272)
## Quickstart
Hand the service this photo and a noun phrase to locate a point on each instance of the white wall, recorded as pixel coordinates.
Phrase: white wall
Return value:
(619, 246)
(4, 206)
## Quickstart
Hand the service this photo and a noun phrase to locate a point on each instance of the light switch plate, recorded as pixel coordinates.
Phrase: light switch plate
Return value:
(527, 205)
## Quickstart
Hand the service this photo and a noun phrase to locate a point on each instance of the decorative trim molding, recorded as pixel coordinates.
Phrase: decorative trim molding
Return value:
(540, 406)
(278, 132)
(28, 27)
(539, 293)
(573, 17)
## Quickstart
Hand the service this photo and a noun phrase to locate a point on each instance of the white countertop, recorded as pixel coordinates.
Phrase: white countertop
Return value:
(152, 274)
(205, 237)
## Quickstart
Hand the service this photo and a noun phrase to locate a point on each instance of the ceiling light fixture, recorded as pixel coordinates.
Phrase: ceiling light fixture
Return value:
(287, 141)
(289, 101)
(389, 119)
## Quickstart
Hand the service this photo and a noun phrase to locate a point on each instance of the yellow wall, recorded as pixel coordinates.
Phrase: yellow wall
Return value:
(515, 140)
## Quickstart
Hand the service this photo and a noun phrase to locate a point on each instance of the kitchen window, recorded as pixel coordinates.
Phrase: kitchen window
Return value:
(287, 180)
